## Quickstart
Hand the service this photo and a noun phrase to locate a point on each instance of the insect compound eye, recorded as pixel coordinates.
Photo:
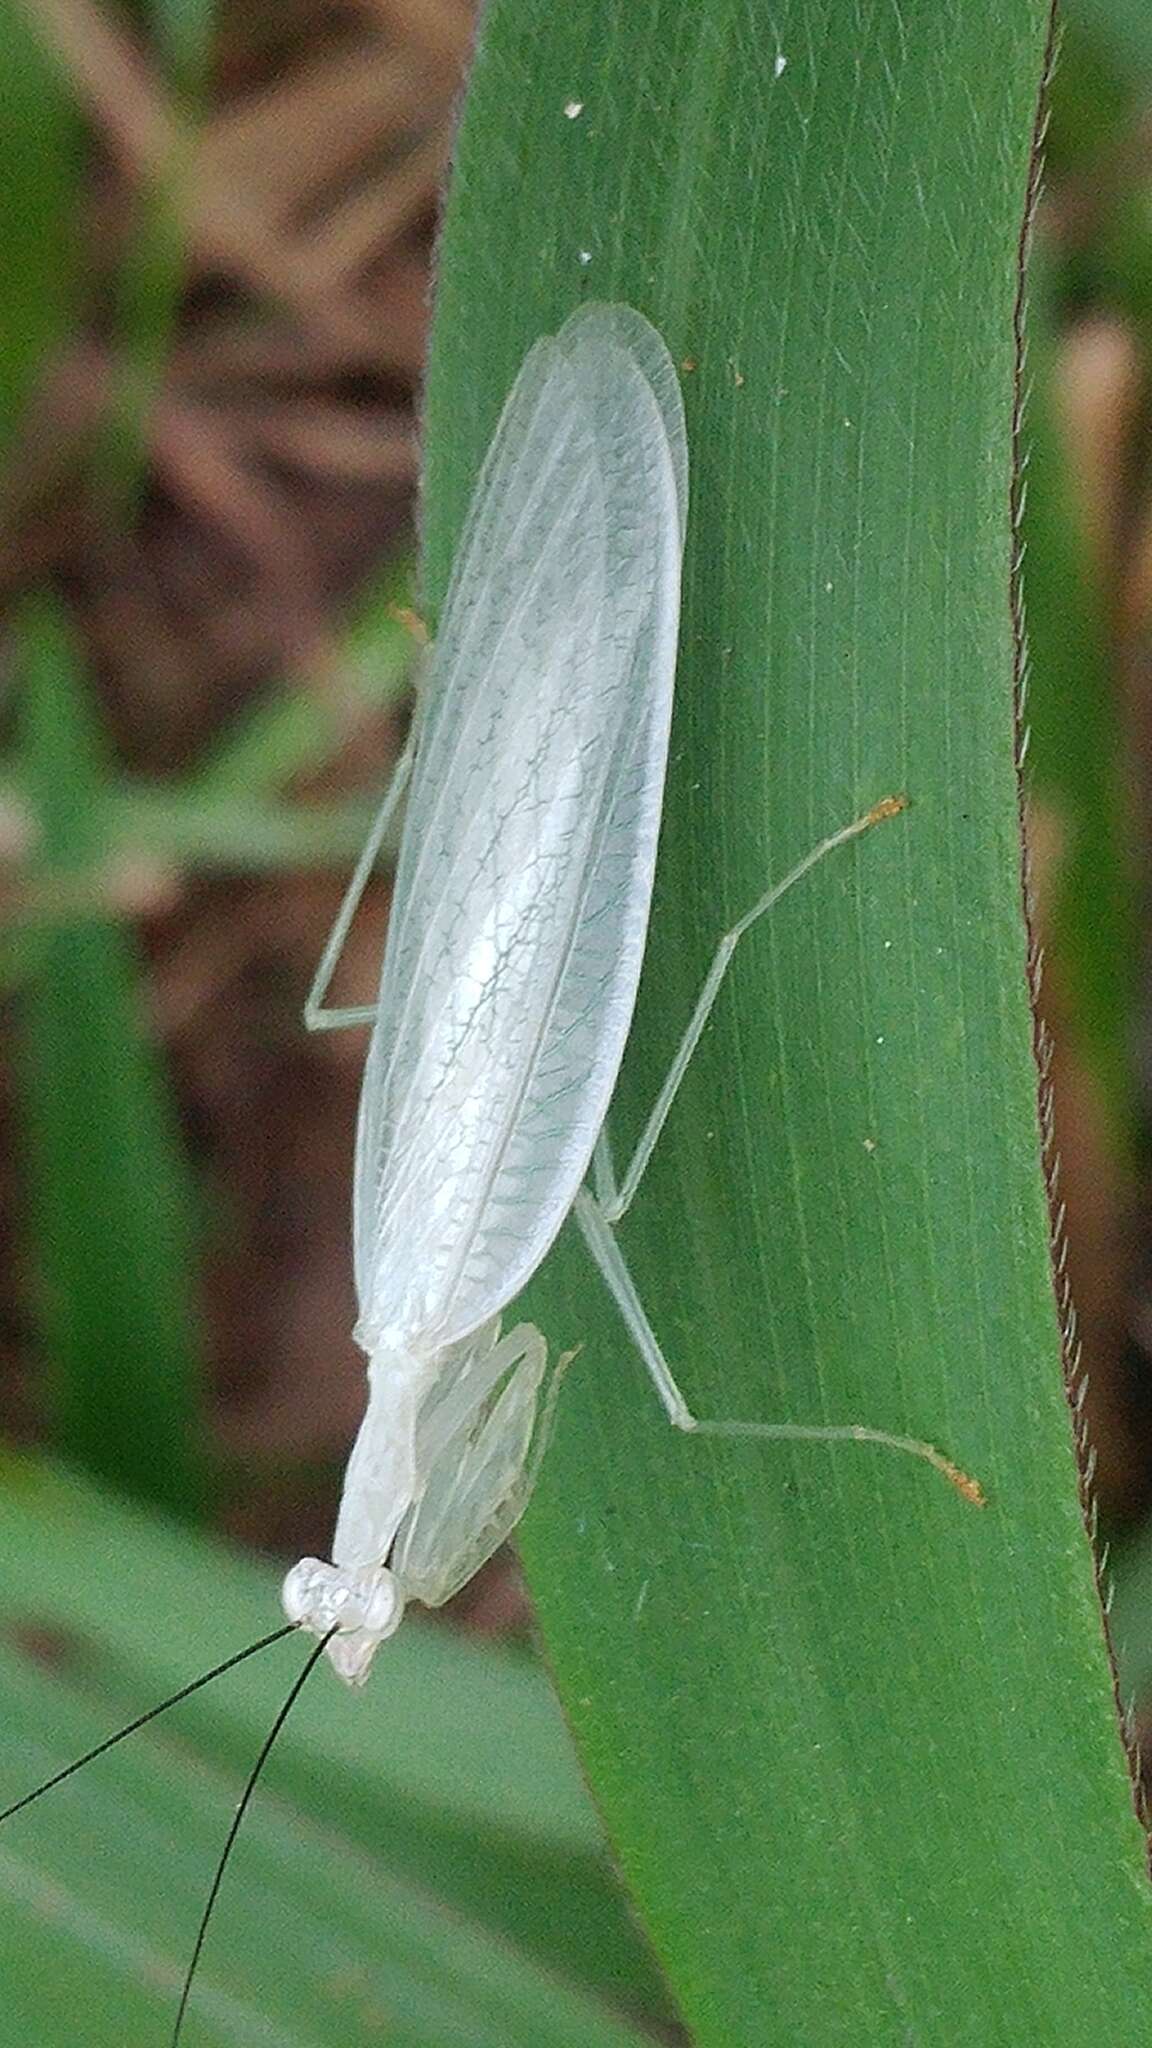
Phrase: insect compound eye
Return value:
(321, 1597)
(379, 1602)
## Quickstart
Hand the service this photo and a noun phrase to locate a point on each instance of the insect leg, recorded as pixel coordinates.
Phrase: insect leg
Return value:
(601, 1242)
(316, 1017)
(615, 1201)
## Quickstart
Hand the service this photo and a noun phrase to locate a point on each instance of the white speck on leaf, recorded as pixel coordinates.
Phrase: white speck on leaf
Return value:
(573, 110)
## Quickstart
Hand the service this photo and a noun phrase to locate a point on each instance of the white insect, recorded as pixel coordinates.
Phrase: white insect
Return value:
(517, 931)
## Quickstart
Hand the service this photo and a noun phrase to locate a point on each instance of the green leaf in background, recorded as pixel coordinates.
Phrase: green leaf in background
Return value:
(296, 731)
(855, 1740)
(421, 1865)
(39, 158)
(1120, 31)
(111, 1223)
(234, 813)
(152, 270)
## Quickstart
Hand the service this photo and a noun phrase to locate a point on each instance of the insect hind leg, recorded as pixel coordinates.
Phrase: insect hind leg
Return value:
(600, 1239)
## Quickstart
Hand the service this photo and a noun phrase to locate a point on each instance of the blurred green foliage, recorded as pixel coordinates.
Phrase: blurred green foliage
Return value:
(111, 1202)
(425, 1858)
(38, 197)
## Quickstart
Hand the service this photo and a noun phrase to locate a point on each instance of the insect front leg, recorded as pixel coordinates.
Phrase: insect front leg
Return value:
(316, 1017)
(615, 1201)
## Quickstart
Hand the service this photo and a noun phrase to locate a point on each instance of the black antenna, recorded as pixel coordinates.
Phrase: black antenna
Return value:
(142, 1720)
(266, 1746)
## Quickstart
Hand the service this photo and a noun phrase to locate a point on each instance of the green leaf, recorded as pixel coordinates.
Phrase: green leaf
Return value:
(39, 161)
(854, 1739)
(452, 1772)
(314, 1942)
(1120, 29)
(111, 1208)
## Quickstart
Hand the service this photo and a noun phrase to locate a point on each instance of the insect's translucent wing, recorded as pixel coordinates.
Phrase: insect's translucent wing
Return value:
(524, 879)
(595, 329)
(538, 440)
